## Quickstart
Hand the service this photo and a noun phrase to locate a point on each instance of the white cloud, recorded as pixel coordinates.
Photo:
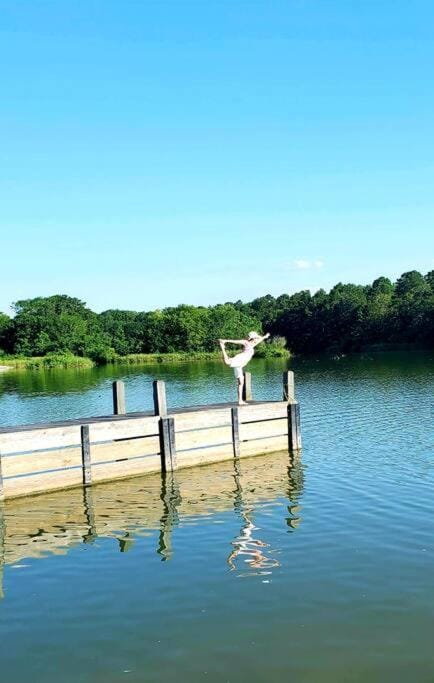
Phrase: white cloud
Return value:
(303, 264)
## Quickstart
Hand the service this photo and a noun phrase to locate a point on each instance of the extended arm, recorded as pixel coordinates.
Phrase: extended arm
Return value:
(233, 341)
(261, 339)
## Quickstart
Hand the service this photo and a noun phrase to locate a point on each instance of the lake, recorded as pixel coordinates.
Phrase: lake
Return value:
(317, 568)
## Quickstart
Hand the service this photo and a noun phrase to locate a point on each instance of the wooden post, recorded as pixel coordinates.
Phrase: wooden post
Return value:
(85, 455)
(119, 398)
(167, 444)
(247, 389)
(288, 386)
(235, 431)
(298, 420)
(1, 479)
(294, 432)
(160, 403)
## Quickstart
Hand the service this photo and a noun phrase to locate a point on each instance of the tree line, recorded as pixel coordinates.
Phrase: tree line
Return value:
(346, 318)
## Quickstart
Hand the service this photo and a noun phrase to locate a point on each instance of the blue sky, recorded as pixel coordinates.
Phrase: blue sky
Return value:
(157, 153)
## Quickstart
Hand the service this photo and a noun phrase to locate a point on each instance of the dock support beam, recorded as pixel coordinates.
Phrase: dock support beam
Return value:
(167, 444)
(85, 455)
(160, 402)
(288, 386)
(119, 398)
(247, 389)
(294, 425)
(235, 431)
(294, 429)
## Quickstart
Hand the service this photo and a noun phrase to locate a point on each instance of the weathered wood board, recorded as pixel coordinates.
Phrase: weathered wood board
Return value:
(41, 458)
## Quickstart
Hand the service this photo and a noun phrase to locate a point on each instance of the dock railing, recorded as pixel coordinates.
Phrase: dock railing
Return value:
(42, 457)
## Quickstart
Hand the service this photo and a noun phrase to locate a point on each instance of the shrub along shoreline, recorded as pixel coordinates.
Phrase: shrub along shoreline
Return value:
(69, 360)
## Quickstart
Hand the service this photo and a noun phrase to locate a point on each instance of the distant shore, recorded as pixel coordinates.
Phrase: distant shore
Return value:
(68, 360)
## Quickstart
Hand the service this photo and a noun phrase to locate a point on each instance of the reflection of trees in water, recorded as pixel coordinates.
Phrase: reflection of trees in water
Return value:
(379, 367)
(189, 377)
(80, 380)
(62, 380)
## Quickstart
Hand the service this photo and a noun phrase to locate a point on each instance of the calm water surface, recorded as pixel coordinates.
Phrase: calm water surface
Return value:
(318, 569)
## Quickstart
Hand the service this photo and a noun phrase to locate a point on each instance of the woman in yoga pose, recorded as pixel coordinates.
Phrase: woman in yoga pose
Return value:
(239, 361)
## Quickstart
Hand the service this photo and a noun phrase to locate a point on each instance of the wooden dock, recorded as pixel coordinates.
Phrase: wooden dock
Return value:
(44, 457)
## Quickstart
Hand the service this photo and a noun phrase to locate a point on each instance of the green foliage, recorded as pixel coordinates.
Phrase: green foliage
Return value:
(48, 362)
(6, 333)
(349, 317)
(274, 348)
(184, 329)
(56, 323)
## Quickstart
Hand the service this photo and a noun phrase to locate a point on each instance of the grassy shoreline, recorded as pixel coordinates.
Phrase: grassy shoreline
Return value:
(68, 360)
(52, 361)
(45, 362)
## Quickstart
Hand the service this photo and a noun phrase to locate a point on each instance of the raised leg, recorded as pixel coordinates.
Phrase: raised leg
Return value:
(226, 358)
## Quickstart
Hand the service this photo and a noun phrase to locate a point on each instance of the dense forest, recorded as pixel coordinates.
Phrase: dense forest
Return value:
(347, 318)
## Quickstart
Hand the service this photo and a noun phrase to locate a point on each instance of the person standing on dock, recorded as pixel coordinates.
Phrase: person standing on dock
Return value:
(238, 362)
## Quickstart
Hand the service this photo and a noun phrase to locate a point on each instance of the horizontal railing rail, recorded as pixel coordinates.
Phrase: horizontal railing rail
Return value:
(37, 458)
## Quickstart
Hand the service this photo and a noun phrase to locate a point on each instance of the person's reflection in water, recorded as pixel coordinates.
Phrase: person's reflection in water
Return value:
(250, 549)
(245, 546)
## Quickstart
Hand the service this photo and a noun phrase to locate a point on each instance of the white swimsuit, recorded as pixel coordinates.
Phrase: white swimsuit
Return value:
(241, 359)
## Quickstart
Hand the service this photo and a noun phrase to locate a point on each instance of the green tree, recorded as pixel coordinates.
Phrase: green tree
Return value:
(410, 304)
(125, 330)
(57, 324)
(6, 333)
(294, 323)
(346, 318)
(378, 311)
(429, 279)
(225, 321)
(184, 328)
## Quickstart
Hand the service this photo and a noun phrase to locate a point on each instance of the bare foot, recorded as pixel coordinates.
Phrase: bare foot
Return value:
(222, 344)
